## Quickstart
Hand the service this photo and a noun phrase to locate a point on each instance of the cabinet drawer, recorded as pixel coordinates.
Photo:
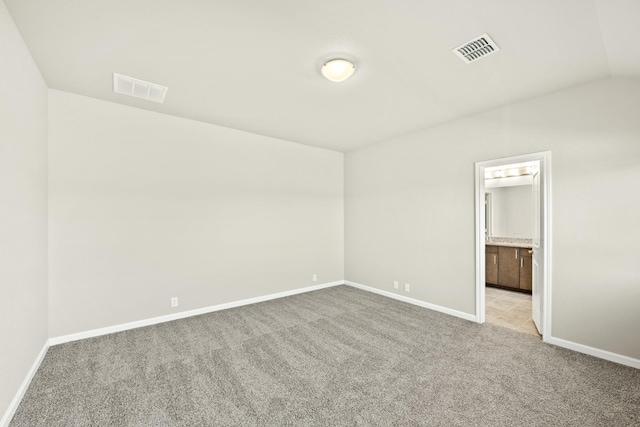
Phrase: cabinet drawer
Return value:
(515, 252)
(490, 249)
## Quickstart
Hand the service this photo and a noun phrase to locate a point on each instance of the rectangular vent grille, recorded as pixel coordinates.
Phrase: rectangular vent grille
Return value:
(477, 48)
(138, 88)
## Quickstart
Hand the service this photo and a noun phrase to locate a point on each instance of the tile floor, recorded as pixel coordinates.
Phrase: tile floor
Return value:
(509, 309)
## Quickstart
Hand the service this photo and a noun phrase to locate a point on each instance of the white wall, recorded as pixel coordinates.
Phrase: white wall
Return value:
(404, 222)
(512, 211)
(23, 210)
(144, 207)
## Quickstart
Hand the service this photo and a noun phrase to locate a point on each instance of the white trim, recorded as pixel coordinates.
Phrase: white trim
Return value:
(169, 317)
(13, 406)
(548, 250)
(545, 163)
(596, 352)
(580, 348)
(480, 253)
(413, 301)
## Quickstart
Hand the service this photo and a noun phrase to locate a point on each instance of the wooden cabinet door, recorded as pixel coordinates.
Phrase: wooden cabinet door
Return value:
(491, 268)
(525, 270)
(509, 271)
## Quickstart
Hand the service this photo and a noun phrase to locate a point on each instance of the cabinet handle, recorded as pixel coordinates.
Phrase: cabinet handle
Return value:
(521, 262)
(494, 260)
(516, 254)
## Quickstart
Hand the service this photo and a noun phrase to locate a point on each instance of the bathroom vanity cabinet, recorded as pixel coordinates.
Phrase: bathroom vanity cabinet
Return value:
(508, 267)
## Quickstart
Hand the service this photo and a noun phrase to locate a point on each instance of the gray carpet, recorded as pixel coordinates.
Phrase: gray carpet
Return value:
(338, 356)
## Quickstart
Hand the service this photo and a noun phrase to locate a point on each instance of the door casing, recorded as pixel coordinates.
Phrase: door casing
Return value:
(545, 219)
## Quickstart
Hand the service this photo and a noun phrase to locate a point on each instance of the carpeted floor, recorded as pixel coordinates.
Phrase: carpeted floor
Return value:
(339, 356)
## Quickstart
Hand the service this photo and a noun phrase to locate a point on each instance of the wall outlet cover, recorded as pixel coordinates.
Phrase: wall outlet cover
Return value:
(174, 302)
(395, 284)
(407, 287)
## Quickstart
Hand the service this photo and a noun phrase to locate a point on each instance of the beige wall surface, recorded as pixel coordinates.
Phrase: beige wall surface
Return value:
(23, 210)
(144, 207)
(409, 208)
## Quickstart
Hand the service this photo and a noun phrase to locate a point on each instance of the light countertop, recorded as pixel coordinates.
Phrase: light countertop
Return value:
(513, 242)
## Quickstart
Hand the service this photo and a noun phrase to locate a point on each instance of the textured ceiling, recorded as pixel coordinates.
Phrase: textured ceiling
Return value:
(254, 65)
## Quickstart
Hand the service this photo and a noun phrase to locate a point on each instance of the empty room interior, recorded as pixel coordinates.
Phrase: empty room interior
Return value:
(319, 213)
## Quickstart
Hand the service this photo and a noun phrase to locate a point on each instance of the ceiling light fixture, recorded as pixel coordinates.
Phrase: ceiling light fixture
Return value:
(338, 70)
(509, 173)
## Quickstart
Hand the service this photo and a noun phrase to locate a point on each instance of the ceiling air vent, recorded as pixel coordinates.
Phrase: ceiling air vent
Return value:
(138, 88)
(477, 48)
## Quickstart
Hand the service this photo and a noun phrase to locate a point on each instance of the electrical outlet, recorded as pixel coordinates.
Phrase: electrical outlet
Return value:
(315, 277)
(407, 287)
(174, 302)
(395, 284)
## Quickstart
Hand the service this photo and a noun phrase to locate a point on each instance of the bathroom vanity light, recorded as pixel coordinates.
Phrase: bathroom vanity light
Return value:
(509, 173)
(338, 70)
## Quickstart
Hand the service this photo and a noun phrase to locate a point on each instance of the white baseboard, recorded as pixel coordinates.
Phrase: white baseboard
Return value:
(603, 354)
(596, 352)
(413, 301)
(183, 314)
(13, 406)
(580, 348)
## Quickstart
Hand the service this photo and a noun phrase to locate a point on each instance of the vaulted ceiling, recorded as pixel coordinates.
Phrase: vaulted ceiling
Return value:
(254, 65)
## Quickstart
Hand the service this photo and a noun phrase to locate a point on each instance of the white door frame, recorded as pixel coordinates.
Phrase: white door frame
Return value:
(545, 190)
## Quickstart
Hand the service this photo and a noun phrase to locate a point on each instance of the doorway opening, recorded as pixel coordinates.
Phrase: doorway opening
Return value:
(513, 242)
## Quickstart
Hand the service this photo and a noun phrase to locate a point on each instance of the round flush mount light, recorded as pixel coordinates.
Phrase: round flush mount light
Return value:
(338, 70)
